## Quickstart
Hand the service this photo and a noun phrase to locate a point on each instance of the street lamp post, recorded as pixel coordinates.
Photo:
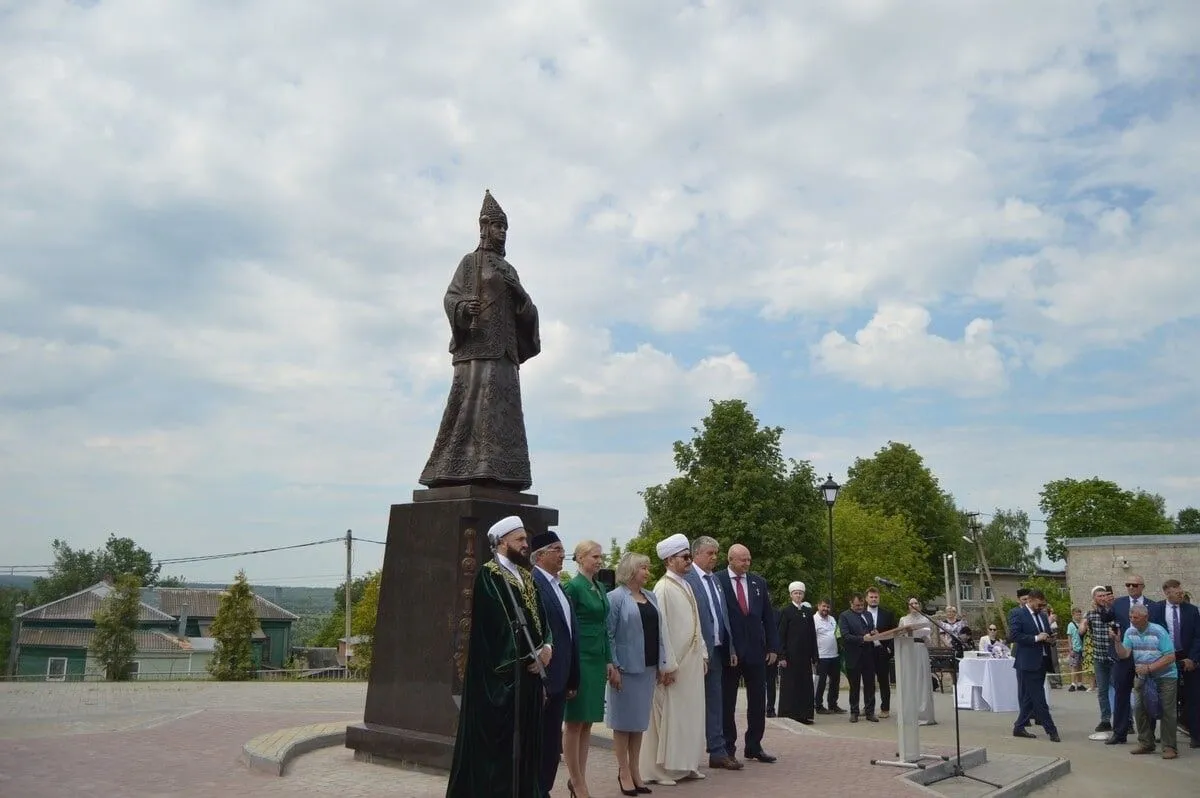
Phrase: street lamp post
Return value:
(829, 490)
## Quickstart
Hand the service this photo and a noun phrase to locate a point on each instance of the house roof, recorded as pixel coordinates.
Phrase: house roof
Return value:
(202, 602)
(82, 606)
(157, 604)
(147, 640)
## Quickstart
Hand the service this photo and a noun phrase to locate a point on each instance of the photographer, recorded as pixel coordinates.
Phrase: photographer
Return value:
(1096, 623)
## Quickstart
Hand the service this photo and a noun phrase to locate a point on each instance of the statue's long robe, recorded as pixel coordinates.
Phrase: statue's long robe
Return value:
(482, 435)
(483, 749)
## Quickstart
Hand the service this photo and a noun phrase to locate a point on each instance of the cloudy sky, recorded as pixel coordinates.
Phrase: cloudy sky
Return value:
(225, 230)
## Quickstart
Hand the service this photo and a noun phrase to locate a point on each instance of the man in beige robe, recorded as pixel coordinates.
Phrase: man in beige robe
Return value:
(672, 746)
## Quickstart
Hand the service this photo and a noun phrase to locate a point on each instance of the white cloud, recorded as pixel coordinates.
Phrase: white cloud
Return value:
(582, 377)
(224, 235)
(896, 350)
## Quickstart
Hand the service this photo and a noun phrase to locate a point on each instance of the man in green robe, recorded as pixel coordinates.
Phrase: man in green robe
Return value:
(499, 721)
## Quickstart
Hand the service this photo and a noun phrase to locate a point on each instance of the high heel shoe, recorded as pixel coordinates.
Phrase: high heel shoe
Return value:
(642, 789)
(621, 787)
(571, 788)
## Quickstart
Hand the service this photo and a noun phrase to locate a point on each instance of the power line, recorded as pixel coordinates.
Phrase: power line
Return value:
(207, 557)
(365, 540)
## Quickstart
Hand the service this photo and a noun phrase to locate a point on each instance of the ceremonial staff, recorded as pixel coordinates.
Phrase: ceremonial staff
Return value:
(521, 630)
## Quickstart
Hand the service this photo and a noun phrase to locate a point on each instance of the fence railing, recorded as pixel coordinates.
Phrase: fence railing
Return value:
(300, 674)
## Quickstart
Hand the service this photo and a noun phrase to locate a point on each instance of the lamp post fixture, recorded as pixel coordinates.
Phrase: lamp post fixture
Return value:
(829, 490)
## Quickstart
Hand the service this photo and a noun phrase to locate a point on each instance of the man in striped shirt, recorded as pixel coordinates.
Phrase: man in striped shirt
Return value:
(1153, 654)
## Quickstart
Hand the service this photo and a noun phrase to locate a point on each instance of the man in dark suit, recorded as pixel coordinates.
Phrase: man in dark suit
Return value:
(1022, 598)
(858, 644)
(756, 644)
(1122, 669)
(714, 625)
(1181, 619)
(1030, 629)
(883, 620)
(563, 672)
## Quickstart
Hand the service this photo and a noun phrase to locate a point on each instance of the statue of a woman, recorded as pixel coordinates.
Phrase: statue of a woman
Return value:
(494, 329)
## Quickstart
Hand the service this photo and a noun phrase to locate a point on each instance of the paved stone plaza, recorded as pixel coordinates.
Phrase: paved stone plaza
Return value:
(185, 739)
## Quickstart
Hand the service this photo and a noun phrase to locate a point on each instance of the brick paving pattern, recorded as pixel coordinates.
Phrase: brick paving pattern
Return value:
(186, 739)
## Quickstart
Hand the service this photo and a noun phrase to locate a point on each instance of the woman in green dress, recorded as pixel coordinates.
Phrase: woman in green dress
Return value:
(590, 601)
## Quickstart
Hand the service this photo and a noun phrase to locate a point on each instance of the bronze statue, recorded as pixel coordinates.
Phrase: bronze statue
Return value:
(493, 330)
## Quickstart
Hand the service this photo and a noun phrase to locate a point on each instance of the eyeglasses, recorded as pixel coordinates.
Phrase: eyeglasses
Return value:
(1134, 584)
(685, 556)
(991, 628)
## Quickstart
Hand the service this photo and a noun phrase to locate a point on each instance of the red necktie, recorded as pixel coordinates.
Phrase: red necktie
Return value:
(741, 597)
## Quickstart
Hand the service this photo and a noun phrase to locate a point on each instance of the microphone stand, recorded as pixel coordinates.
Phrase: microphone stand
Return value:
(956, 769)
(520, 630)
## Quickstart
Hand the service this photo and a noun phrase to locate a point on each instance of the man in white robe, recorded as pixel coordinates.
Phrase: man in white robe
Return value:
(672, 746)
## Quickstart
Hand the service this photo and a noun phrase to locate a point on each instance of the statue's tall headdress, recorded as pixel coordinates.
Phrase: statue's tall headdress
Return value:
(491, 209)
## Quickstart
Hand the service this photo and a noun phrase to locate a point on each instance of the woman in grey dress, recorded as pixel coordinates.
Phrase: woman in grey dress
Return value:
(637, 650)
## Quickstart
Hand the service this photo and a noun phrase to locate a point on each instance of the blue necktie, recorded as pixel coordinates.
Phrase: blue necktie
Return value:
(712, 592)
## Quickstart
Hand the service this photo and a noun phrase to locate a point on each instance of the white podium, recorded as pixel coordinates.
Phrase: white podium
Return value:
(911, 685)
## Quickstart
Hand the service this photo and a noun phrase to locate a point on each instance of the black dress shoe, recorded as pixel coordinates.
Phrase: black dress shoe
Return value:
(1115, 740)
(1054, 738)
(761, 756)
(873, 718)
(806, 721)
(1022, 733)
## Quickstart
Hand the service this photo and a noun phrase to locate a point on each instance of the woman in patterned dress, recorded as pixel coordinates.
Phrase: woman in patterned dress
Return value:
(590, 602)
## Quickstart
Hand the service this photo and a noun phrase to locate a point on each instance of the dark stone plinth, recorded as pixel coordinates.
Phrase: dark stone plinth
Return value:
(435, 546)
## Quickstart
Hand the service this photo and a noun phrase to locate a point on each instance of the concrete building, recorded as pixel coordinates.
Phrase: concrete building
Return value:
(975, 600)
(1109, 560)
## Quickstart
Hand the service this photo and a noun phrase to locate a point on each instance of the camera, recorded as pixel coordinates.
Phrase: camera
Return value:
(1115, 627)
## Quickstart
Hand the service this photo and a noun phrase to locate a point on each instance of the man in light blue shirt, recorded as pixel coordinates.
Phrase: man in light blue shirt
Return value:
(1153, 654)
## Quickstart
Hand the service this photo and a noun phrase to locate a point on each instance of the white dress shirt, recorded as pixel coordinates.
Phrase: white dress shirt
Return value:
(559, 594)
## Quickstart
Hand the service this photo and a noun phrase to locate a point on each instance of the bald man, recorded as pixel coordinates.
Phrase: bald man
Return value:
(756, 643)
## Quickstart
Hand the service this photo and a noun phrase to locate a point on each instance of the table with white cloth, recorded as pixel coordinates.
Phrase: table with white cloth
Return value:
(989, 685)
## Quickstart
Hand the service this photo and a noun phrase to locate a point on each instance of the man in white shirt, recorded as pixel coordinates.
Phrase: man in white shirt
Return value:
(828, 662)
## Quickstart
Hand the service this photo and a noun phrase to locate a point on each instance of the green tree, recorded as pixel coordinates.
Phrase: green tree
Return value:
(73, 570)
(362, 622)
(335, 623)
(1057, 597)
(896, 482)
(10, 597)
(115, 643)
(869, 544)
(613, 558)
(735, 485)
(233, 629)
(1005, 542)
(1187, 521)
(1096, 508)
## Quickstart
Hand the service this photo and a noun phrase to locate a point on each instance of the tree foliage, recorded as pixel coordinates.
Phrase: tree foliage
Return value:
(362, 622)
(1187, 521)
(1005, 540)
(869, 544)
(115, 642)
(75, 569)
(233, 629)
(1097, 507)
(334, 628)
(896, 482)
(735, 485)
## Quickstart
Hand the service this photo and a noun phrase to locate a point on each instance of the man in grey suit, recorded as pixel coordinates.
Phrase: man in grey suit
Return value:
(714, 625)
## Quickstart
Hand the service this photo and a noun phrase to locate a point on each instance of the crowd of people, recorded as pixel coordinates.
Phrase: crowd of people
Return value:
(662, 667)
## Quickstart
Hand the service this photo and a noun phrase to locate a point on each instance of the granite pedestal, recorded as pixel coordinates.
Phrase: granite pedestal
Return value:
(435, 546)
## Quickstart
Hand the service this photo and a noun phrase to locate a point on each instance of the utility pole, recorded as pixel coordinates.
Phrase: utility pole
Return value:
(977, 539)
(349, 562)
(950, 600)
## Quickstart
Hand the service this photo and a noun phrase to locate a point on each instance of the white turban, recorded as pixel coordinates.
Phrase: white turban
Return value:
(672, 546)
(796, 586)
(502, 527)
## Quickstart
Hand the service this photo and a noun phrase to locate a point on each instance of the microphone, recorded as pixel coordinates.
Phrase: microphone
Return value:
(887, 582)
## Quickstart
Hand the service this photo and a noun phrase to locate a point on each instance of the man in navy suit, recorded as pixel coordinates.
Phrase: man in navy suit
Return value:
(1122, 669)
(1030, 629)
(563, 672)
(1181, 619)
(714, 625)
(756, 644)
(858, 633)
